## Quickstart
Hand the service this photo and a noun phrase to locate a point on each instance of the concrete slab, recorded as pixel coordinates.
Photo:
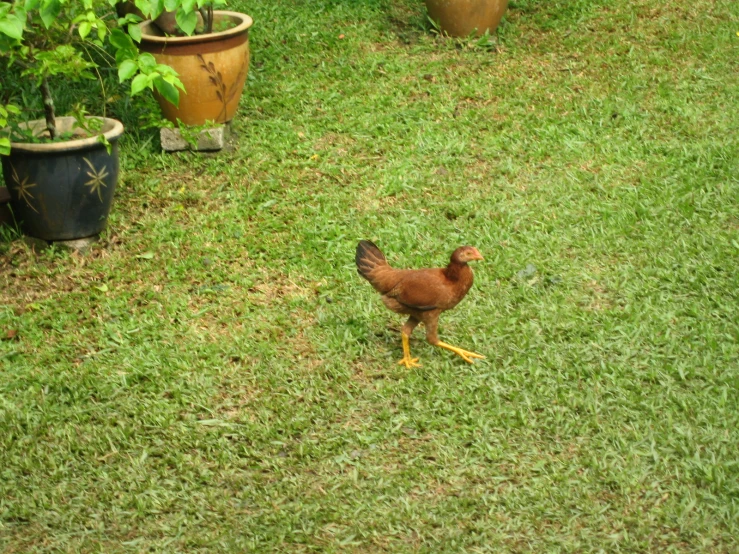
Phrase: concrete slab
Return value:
(208, 140)
(81, 246)
(78, 245)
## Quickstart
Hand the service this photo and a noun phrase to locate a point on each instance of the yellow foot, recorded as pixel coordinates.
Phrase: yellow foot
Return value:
(409, 362)
(466, 355)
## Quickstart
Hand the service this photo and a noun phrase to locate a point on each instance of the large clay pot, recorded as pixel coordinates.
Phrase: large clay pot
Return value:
(212, 67)
(460, 18)
(63, 190)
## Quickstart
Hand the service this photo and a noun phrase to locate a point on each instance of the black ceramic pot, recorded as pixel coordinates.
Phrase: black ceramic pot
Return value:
(63, 190)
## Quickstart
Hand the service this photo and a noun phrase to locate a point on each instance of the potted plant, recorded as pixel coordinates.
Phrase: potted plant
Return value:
(461, 18)
(61, 172)
(209, 49)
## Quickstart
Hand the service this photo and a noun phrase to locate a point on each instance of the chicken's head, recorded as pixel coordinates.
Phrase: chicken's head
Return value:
(465, 254)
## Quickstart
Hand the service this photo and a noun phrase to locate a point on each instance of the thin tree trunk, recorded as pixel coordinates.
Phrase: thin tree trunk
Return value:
(208, 19)
(48, 108)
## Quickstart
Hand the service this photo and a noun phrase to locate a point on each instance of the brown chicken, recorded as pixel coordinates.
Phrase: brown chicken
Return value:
(422, 294)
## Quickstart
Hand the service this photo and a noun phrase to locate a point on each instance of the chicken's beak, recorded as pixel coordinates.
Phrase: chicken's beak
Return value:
(476, 255)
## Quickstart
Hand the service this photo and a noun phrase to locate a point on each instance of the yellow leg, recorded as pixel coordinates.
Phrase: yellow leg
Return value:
(407, 361)
(465, 354)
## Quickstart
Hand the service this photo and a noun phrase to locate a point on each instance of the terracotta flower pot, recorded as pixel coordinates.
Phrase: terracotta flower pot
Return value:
(460, 18)
(212, 67)
(63, 190)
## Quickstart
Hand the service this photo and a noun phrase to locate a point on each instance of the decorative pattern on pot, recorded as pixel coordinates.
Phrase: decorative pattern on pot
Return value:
(97, 178)
(21, 187)
(215, 77)
(212, 67)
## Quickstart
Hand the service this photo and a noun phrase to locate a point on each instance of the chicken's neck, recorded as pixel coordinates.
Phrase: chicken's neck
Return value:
(458, 271)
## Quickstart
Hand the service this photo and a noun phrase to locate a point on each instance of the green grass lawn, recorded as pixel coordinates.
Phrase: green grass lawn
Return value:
(215, 377)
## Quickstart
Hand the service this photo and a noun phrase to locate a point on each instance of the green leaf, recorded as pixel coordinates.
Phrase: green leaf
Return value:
(65, 60)
(124, 54)
(31, 5)
(186, 21)
(127, 70)
(173, 79)
(189, 5)
(4, 146)
(85, 28)
(119, 39)
(144, 6)
(139, 83)
(171, 5)
(168, 91)
(155, 8)
(12, 26)
(105, 142)
(49, 11)
(165, 70)
(147, 62)
(130, 18)
(134, 31)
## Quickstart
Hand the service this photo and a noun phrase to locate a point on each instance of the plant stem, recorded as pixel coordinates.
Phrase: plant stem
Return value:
(48, 108)
(209, 19)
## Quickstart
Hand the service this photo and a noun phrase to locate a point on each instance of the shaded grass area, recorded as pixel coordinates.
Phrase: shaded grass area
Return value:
(215, 376)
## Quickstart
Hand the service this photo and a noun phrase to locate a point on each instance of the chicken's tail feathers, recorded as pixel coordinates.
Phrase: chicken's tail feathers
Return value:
(371, 263)
(368, 258)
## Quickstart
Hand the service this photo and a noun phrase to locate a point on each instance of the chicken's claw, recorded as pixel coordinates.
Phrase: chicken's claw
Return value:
(466, 355)
(409, 362)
